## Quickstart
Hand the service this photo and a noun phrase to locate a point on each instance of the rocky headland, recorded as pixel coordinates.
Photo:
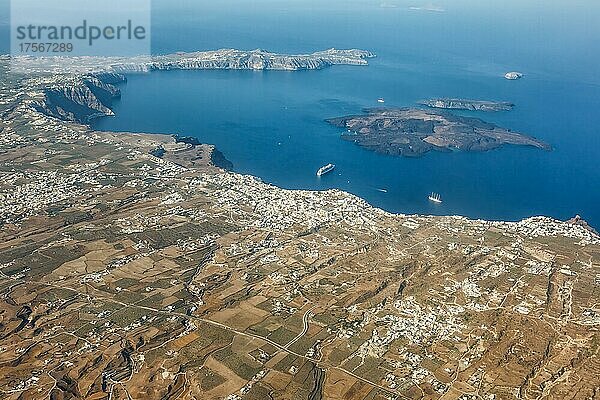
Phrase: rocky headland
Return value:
(81, 99)
(412, 132)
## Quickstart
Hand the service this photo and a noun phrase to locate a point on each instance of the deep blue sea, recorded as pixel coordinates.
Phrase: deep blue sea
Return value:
(270, 124)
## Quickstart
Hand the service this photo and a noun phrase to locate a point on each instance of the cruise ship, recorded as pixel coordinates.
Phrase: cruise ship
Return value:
(435, 197)
(325, 169)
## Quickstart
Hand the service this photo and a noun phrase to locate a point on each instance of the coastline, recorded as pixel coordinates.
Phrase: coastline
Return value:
(178, 259)
(106, 80)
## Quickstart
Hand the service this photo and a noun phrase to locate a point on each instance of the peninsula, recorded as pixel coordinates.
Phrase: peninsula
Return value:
(469, 105)
(413, 132)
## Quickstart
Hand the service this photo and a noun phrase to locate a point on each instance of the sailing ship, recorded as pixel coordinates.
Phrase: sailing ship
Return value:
(435, 197)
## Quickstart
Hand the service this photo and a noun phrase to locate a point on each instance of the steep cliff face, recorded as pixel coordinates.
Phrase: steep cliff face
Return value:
(218, 159)
(469, 105)
(82, 99)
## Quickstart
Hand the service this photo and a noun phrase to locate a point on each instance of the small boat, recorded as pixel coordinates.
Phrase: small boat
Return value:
(381, 100)
(382, 190)
(435, 197)
(325, 169)
(513, 76)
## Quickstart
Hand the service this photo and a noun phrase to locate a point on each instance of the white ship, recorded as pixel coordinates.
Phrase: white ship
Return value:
(325, 169)
(381, 100)
(513, 76)
(435, 197)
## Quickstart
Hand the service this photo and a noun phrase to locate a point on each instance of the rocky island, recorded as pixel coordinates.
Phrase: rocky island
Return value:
(469, 105)
(258, 60)
(413, 132)
(215, 59)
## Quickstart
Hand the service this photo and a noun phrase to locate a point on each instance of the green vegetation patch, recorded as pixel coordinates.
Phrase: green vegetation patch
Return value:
(164, 283)
(330, 318)
(126, 283)
(259, 329)
(128, 297)
(127, 316)
(352, 363)
(241, 366)
(184, 295)
(258, 392)
(282, 336)
(370, 370)
(209, 379)
(303, 344)
(154, 301)
(266, 305)
(339, 354)
(285, 364)
(55, 294)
